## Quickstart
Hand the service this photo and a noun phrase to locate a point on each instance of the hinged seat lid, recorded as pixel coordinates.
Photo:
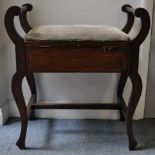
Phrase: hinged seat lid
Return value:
(96, 33)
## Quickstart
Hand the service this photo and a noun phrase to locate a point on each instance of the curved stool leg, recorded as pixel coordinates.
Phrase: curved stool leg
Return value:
(135, 96)
(31, 82)
(18, 96)
(121, 85)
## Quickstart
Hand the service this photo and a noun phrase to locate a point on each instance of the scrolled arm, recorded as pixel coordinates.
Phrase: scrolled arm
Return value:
(130, 20)
(145, 23)
(128, 9)
(23, 17)
(9, 24)
(26, 7)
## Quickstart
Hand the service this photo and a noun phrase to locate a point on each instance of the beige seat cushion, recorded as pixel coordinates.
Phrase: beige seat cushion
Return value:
(76, 33)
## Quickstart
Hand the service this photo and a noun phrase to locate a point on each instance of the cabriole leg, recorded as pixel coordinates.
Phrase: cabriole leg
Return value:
(135, 96)
(19, 99)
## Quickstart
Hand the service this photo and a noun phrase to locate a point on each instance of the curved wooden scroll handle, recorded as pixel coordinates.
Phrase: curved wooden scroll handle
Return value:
(9, 24)
(145, 23)
(13, 34)
(130, 20)
(23, 17)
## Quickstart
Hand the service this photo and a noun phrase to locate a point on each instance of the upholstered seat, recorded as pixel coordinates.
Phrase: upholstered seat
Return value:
(76, 49)
(76, 33)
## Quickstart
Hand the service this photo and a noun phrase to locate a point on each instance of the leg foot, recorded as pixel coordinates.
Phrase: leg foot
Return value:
(132, 146)
(21, 145)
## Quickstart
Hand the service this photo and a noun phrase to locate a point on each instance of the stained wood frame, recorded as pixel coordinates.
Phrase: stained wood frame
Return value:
(124, 55)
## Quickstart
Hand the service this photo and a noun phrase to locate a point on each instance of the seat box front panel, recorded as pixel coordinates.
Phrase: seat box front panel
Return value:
(75, 60)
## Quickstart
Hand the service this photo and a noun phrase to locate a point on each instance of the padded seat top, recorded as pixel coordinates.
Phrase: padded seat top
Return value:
(100, 33)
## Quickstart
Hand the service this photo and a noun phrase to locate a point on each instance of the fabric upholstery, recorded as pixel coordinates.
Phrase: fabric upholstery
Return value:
(76, 33)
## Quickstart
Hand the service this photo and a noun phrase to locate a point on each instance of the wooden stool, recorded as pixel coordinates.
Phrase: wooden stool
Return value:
(76, 48)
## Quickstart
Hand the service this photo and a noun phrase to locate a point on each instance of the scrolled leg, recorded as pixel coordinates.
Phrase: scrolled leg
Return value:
(18, 96)
(19, 43)
(135, 96)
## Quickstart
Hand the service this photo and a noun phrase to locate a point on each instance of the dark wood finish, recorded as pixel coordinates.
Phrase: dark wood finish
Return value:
(123, 106)
(18, 96)
(76, 60)
(130, 20)
(135, 96)
(31, 102)
(32, 86)
(133, 70)
(89, 106)
(23, 17)
(120, 89)
(124, 75)
(30, 77)
(76, 56)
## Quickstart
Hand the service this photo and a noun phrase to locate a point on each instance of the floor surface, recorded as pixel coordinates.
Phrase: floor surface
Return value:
(77, 137)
